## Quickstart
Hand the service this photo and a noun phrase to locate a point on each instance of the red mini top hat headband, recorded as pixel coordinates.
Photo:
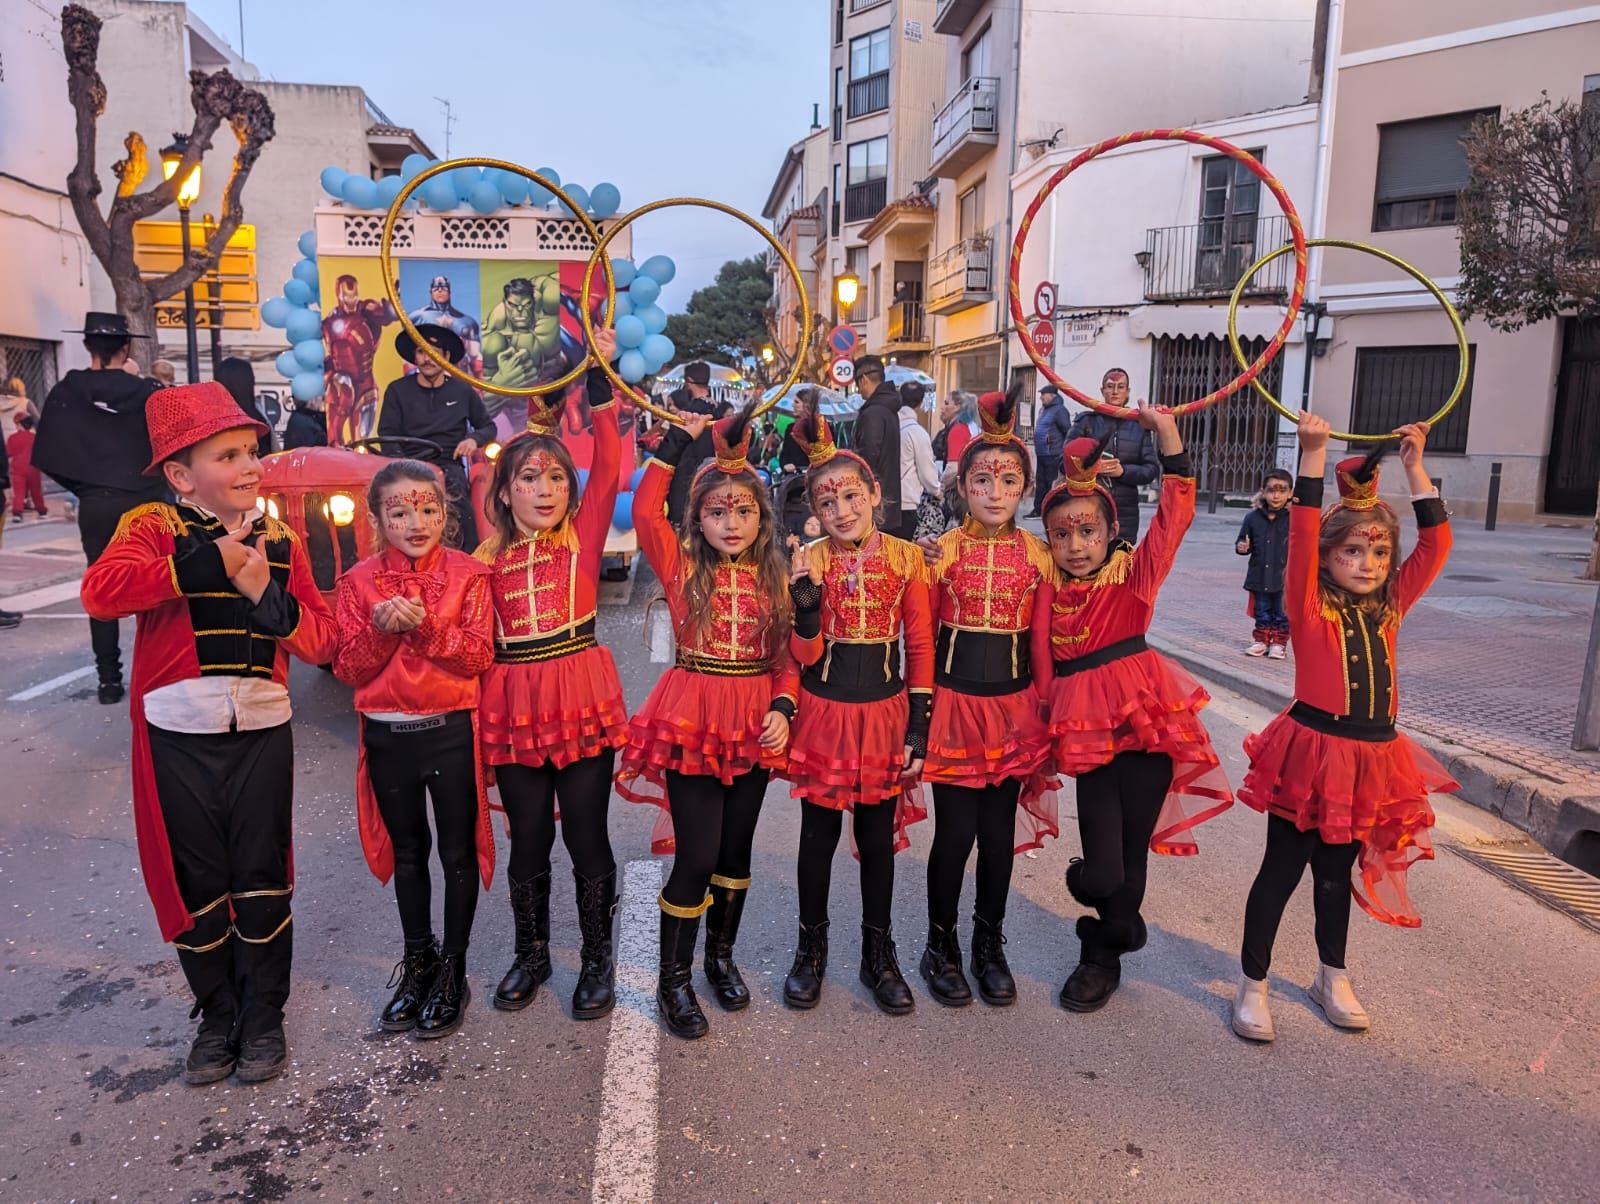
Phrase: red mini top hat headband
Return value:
(997, 415)
(1081, 462)
(544, 417)
(1357, 478)
(730, 443)
(816, 440)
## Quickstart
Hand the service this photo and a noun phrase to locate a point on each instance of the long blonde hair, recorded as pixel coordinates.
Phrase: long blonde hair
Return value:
(1336, 527)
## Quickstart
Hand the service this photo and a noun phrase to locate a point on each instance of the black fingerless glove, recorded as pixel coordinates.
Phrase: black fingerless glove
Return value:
(784, 707)
(806, 595)
(917, 724)
(597, 385)
(673, 444)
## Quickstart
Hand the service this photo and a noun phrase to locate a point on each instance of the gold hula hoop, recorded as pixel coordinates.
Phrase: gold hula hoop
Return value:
(636, 395)
(391, 278)
(1415, 273)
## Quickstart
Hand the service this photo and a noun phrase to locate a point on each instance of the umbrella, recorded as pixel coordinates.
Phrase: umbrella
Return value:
(835, 406)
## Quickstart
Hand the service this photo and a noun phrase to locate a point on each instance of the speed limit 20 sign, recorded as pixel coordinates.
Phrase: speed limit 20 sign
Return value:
(842, 371)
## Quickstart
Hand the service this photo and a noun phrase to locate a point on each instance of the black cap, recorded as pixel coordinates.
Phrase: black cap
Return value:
(106, 326)
(697, 373)
(1050, 389)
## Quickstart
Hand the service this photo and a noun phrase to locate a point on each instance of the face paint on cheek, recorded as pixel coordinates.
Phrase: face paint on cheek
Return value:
(432, 520)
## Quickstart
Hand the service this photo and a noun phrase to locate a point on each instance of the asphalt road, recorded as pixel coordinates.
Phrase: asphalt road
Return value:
(1480, 1078)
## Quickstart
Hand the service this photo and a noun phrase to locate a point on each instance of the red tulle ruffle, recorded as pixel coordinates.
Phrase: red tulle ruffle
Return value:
(556, 711)
(1352, 790)
(699, 724)
(849, 754)
(982, 741)
(1143, 703)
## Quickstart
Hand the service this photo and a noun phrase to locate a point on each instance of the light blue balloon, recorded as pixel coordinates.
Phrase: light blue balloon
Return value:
(275, 312)
(333, 179)
(288, 367)
(412, 166)
(388, 189)
(306, 271)
(484, 197)
(539, 196)
(624, 306)
(512, 187)
(309, 353)
(465, 179)
(308, 244)
(631, 366)
(298, 292)
(624, 271)
(658, 347)
(653, 317)
(605, 200)
(439, 194)
(583, 478)
(659, 268)
(550, 174)
(652, 367)
(622, 512)
(638, 475)
(307, 385)
(580, 198)
(630, 331)
(302, 325)
(644, 290)
(360, 192)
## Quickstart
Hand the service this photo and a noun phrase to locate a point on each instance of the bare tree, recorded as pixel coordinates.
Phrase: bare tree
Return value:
(215, 98)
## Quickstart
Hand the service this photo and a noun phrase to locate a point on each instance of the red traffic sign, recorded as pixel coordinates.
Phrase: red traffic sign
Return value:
(843, 340)
(842, 370)
(1043, 333)
(1044, 300)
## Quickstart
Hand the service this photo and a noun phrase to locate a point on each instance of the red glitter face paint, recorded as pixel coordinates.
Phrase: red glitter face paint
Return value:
(728, 499)
(417, 497)
(1373, 534)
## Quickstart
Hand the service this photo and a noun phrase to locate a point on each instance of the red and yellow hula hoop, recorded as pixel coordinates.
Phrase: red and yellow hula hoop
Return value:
(1291, 310)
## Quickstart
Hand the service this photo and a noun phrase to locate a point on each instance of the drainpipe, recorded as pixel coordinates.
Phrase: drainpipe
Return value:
(1001, 270)
(1317, 226)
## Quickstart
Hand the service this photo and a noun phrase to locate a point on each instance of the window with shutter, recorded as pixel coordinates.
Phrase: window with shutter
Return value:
(1421, 167)
(1397, 385)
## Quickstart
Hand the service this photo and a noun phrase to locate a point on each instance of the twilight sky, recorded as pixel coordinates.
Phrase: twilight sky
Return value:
(675, 98)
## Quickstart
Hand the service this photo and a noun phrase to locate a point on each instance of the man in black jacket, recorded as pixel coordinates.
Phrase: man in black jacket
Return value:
(442, 411)
(693, 398)
(93, 442)
(877, 437)
(1130, 453)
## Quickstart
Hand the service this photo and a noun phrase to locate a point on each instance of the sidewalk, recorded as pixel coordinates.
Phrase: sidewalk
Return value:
(1490, 662)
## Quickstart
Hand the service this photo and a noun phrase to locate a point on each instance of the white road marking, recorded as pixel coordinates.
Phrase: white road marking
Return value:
(36, 598)
(660, 636)
(44, 687)
(625, 1148)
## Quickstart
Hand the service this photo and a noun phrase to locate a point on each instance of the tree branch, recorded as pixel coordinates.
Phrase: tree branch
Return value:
(80, 43)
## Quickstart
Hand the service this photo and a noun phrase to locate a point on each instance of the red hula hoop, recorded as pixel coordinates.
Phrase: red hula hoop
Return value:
(1238, 154)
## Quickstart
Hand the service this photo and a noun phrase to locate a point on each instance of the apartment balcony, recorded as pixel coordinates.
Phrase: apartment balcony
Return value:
(962, 276)
(967, 128)
(865, 200)
(861, 6)
(1204, 261)
(953, 16)
(906, 327)
(869, 94)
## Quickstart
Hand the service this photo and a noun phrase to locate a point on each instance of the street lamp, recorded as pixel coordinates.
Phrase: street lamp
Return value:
(845, 289)
(767, 356)
(188, 193)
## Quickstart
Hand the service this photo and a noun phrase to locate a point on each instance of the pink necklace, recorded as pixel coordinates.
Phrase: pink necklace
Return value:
(852, 561)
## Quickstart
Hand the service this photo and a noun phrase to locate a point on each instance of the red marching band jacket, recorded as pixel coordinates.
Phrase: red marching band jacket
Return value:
(138, 575)
(543, 699)
(429, 670)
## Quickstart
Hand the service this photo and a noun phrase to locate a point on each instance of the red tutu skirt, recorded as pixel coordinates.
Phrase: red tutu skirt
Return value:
(1143, 703)
(982, 741)
(556, 711)
(1375, 793)
(849, 754)
(700, 724)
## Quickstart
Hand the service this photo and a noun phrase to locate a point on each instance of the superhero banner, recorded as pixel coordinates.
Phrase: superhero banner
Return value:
(518, 319)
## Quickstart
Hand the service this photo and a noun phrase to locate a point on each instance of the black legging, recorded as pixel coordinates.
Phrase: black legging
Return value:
(873, 827)
(963, 815)
(529, 795)
(405, 768)
(715, 829)
(1118, 805)
(1284, 864)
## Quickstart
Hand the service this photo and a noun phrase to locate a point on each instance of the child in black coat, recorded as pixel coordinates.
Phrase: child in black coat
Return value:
(1264, 537)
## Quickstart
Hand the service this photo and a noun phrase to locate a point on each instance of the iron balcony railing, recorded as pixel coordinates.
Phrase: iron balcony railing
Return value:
(861, 6)
(869, 94)
(905, 323)
(865, 200)
(963, 269)
(974, 109)
(1207, 258)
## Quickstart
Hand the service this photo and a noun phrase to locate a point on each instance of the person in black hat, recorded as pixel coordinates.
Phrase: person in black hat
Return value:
(878, 434)
(693, 398)
(439, 409)
(92, 440)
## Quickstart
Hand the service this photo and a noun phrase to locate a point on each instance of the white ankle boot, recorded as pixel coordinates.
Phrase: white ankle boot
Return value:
(1251, 1018)
(1332, 992)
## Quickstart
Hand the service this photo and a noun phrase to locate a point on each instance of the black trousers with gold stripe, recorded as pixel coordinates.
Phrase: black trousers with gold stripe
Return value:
(225, 798)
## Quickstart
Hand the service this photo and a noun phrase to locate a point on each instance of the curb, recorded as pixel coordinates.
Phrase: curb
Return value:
(1540, 807)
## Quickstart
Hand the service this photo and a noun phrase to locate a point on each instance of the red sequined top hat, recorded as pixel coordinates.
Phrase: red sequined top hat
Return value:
(1080, 461)
(815, 438)
(184, 415)
(730, 442)
(1357, 478)
(997, 416)
(544, 417)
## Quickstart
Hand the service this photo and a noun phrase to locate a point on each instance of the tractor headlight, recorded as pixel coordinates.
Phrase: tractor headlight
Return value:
(342, 509)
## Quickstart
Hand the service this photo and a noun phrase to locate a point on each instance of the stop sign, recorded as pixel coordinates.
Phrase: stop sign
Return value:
(1043, 334)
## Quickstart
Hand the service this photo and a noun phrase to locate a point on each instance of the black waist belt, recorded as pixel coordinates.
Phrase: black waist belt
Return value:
(546, 647)
(986, 664)
(696, 662)
(855, 672)
(1102, 656)
(422, 723)
(1373, 731)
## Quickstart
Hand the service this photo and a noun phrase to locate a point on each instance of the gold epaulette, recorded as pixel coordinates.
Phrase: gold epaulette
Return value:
(905, 558)
(949, 542)
(1038, 554)
(821, 553)
(1116, 568)
(489, 550)
(277, 529)
(164, 514)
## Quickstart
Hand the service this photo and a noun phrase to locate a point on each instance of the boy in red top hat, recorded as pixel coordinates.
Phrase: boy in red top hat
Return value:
(223, 595)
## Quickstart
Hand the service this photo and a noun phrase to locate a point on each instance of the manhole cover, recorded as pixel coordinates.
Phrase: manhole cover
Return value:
(1468, 577)
(1553, 882)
